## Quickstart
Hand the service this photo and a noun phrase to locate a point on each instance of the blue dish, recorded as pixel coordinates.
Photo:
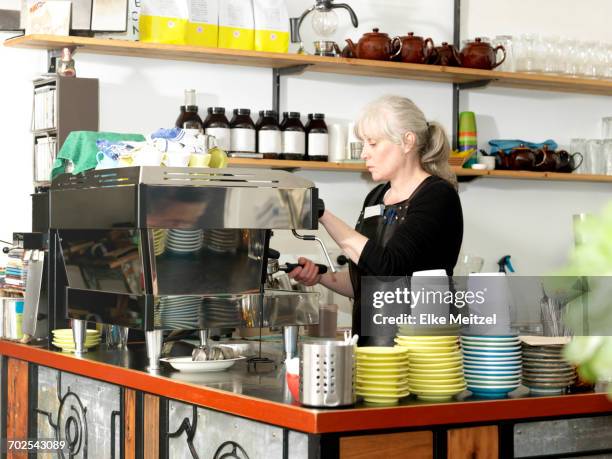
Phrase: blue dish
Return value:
(483, 350)
(492, 366)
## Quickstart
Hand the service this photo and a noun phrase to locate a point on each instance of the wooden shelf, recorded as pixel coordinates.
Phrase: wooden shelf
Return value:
(343, 66)
(461, 172)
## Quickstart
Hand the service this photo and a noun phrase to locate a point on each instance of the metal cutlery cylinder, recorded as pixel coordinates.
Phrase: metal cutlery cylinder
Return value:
(79, 333)
(154, 340)
(327, 374)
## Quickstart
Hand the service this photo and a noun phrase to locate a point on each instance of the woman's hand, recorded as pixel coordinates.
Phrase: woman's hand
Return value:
(307, 273)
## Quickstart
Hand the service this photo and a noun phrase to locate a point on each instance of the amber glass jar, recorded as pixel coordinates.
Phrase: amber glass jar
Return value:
(242, 134)
(317, 138)
(269, 142)
(217, 125)
(293, 136)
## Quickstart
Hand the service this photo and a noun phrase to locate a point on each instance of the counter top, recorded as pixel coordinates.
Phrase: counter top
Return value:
(264, 397)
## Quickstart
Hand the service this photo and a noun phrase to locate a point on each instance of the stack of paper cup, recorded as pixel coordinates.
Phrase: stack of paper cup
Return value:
(337, 142)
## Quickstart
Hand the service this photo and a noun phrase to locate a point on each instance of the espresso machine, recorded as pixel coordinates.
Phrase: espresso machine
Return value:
(157, 248)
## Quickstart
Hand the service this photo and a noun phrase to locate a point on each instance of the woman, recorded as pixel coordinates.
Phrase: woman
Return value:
(413, 221)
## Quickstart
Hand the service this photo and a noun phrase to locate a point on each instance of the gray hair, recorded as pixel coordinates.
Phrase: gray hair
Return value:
(391, 117)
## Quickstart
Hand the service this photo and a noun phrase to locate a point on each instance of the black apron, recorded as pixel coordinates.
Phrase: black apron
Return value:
(380, 229)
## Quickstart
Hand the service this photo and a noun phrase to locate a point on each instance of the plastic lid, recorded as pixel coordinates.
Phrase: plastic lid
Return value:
(319, 116)
(294, 114)
(191, 108)
(242, 111)
(216, 110)
(270, 113)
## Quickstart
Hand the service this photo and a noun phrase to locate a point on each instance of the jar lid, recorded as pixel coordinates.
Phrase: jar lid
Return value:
(294, 114)
(242, 111)
(285, 114)
(191, 108)
(216, 110)
(270, 113)
(319, 116)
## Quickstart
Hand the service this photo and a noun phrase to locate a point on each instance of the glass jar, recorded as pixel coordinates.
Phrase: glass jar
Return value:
(217, 125)
(293, 136)
(506, 42)
(317, 138)
(242, 134)
(269, 141)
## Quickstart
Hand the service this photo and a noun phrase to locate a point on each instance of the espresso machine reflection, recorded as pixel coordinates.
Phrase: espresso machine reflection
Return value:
(156, 249)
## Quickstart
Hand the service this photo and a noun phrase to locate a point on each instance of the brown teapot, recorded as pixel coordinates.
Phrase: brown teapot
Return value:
(519, 158)
(479, 54)
(567, 163)
(415, 49)
(374, 45)
(546, 160)
(447, 55)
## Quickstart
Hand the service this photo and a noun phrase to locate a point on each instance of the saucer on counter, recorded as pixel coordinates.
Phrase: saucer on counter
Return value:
(381, 374)
(492, 364)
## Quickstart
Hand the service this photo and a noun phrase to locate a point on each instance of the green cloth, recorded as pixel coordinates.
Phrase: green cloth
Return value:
(80, 148)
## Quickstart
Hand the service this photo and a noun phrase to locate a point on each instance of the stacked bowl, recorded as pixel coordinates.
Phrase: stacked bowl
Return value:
(179, 312)
(545, 371)
(492, 364)
(184, 241)
(159, 241)
(435, 372)
(381, 374)
(64, 339)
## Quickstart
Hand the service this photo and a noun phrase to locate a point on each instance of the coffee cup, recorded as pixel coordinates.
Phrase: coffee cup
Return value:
(178, 159)
(148, 157)
(488, 162)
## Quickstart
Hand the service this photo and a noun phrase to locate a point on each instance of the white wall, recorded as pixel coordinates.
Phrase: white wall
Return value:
(529, 220)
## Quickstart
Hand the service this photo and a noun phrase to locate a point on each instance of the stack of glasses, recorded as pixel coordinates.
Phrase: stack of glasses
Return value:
(381, 374)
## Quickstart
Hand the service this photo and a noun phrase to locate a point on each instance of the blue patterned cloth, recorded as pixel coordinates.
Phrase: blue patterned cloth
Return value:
(505, 145)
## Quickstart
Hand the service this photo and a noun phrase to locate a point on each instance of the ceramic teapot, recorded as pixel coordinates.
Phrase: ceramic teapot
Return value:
(446, 54)
(479, 54)
(567, 163)
(519, 158)
(546, 160)
(374, 45)
(415, 49)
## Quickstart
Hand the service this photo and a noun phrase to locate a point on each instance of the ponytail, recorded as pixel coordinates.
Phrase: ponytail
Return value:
(435, 154)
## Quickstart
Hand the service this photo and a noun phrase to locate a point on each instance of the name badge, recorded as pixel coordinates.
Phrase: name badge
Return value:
(373, 211)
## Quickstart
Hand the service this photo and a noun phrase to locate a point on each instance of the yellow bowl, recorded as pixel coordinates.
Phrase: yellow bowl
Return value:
(372, 372)
(429, 349)
(381, 350)
(435, 380)
(389, 379)
(381, 358)
(457, 370)
(369, 360)
(68, 331)
(439, 389)
(71, 342)
(377, 393)
(381, 382)
(436, 366)
(436, 358)
(398, 392)
(382, 366)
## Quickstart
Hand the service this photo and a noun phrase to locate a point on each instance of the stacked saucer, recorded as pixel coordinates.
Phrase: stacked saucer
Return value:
(545, 371)
(222, 240)
(221, 311)
(159, 241)
(435, 372)
(180, 312)
(63, 339)
(492, 364)
(184, 241)
(381, 374)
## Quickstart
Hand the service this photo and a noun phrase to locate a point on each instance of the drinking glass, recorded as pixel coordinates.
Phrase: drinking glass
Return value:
(606, 127)
(116, 336)
(506, 42)
(539, 54)
(552, 58)
(594, 157)
(525, 53)
(587, 66)
(571, 57)
(579, 146)
(607, 153)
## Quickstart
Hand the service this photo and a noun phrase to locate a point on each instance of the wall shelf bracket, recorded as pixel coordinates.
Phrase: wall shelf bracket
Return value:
(277, 73)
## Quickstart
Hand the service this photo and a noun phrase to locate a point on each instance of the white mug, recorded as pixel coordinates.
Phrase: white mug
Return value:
(148, 157)
(180, 159)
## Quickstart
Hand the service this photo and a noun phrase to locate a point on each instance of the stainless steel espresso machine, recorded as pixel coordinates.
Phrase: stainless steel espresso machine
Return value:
(155, 248)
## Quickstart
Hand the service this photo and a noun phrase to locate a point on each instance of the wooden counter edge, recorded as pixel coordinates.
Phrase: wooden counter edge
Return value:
(318, 421)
